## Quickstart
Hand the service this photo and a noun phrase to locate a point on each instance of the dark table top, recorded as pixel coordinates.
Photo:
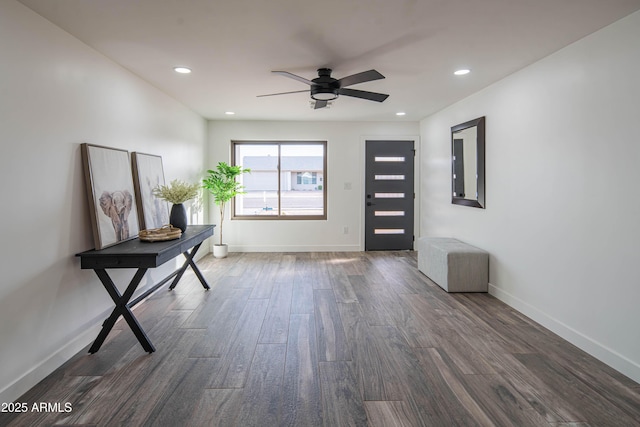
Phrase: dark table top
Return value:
(135, 253)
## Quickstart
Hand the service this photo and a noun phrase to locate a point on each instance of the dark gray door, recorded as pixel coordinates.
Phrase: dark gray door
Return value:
(389, 195)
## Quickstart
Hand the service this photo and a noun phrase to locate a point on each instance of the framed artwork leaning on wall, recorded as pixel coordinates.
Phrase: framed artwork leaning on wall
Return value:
(112, 206)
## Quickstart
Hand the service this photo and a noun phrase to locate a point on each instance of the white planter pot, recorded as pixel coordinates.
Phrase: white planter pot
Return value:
(220, 251)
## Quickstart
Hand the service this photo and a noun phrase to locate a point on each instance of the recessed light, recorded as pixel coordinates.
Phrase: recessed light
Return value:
(182, 70)
(229, 113)
(400, 113)
(462, 72)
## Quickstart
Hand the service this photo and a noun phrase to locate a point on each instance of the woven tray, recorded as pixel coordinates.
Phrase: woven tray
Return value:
(166, 232)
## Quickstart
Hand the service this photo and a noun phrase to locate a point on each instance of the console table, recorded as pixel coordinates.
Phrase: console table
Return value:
(142, 256)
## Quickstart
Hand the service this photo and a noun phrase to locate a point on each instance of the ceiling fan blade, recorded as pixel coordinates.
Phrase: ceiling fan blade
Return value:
(293, 76)
(320, 104)
(283, 93)
(365, 76)
(371, 96)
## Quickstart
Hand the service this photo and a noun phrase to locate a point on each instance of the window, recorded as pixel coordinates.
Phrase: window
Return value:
(307, 178)
(286, 180)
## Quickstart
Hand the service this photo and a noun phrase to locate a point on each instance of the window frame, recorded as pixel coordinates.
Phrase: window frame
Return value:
(279, 216)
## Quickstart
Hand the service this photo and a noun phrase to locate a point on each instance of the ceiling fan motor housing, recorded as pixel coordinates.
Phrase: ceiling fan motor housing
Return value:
(325, 87)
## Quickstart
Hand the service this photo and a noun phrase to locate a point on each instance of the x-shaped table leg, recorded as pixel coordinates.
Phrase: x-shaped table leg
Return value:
(189, 262)
(121, 309)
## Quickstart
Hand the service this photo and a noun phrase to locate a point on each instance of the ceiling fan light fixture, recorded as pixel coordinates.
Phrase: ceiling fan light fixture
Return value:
(324, 94)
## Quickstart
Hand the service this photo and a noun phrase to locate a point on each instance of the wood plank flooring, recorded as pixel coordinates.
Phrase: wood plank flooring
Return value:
(333, 339)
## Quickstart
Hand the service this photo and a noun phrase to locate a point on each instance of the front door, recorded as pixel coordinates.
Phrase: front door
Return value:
(389, 195)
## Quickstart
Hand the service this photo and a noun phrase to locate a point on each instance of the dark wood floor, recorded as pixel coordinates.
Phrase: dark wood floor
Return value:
(334, 339)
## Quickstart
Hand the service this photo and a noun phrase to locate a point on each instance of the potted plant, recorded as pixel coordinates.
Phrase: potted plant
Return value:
(222, 183)
(177, 192)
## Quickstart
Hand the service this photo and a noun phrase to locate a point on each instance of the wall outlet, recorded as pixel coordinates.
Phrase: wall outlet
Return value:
(345, 230)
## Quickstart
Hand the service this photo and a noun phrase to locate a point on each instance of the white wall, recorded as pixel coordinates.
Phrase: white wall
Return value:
(345, 165)
(57, 93)
(562, 223)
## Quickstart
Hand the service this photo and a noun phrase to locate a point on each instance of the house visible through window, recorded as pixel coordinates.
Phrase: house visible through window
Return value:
(286, 180)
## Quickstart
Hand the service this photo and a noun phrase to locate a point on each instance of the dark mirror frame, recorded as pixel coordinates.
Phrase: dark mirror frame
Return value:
(479, 123)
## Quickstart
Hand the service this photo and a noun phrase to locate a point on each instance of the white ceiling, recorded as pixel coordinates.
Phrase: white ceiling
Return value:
(233, 45)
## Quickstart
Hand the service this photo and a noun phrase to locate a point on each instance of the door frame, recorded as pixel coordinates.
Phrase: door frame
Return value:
(416, 179)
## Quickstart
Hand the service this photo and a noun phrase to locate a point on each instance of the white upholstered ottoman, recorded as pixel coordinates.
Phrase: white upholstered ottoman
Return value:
(454, 265)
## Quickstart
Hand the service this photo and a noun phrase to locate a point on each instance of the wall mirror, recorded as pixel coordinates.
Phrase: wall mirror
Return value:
(467, 163)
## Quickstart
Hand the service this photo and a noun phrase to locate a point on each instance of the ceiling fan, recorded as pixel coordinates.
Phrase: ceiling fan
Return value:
(325, 88)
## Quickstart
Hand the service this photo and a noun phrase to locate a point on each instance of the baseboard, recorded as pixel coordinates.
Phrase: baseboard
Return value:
(294, 248)
(585, 343)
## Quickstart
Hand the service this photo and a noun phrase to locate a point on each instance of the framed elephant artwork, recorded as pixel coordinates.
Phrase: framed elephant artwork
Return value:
(110, 190)
(147, 175)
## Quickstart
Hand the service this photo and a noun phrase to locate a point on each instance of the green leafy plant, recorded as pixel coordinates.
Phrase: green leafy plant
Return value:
(222, 184)
(176, 192)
